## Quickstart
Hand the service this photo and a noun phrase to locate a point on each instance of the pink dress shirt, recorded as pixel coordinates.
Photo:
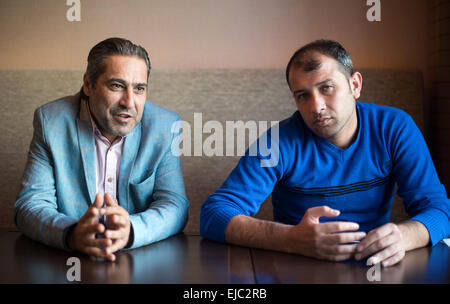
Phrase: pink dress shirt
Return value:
(107, 162)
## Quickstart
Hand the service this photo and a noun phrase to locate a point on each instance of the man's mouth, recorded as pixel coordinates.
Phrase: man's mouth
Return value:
(322, 122)
(123, 117)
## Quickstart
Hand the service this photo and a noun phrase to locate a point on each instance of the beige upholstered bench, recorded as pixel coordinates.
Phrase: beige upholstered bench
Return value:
(219, 95)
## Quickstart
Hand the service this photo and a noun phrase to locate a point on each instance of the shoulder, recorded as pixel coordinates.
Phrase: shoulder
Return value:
(157, 119)
(383, 116)
(62, 109)
(286, 131)
(156, 112)
(293, 131)
(375, 109)
(292, 125)
(284, 140)
(392, 126)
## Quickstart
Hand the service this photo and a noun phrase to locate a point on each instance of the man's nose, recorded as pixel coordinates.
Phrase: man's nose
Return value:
(318, 104)
(127, 99)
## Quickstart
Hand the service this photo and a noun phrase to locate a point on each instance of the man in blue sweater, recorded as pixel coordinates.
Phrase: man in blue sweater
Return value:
(339, 162)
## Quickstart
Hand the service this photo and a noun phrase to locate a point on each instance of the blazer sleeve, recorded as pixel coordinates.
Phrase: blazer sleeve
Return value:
(168, 213)
(35, 211)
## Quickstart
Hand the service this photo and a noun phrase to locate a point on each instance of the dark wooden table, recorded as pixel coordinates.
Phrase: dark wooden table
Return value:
(425, 265)
(190, 259)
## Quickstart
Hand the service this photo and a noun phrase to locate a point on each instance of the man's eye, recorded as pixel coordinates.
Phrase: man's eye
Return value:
(116, 86)
(327, 88)
(140, 90)
(301, 97)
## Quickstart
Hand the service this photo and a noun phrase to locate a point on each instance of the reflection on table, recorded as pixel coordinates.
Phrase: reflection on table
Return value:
(190, 259)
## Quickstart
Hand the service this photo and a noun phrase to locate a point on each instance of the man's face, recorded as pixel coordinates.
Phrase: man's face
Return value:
(326, 98)
(118, 100)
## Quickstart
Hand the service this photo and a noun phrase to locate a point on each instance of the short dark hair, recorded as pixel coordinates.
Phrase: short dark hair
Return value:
(329, 48)
(108, 47)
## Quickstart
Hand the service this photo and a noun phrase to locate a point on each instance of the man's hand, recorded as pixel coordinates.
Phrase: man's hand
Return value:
(329, 241)
(117, 226)
(387, 244)
(83, 236)
(116, 233)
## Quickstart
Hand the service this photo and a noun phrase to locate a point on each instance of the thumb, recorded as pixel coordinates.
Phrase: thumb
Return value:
(91, 214)
(109, 201)
(313, 214)
(98, 203)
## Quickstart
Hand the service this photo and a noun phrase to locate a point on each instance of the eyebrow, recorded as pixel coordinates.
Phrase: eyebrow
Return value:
(315, 85)
(125, 83)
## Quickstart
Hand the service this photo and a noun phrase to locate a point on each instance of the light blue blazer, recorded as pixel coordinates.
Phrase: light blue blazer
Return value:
(59, 183)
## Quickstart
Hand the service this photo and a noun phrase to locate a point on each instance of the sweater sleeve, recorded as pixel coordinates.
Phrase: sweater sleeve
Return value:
(424, 196)
(248, 185)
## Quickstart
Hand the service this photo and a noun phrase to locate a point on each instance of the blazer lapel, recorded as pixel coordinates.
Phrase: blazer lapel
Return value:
(87, 147)
(130, 148)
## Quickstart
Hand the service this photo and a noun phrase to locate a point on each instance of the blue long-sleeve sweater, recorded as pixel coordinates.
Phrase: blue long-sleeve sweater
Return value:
(359, 181)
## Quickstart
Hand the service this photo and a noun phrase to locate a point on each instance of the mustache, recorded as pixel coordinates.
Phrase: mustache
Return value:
(123, 110)
(321, 116)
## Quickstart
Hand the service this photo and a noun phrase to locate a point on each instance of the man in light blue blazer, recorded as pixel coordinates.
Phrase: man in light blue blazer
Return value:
(101, 175)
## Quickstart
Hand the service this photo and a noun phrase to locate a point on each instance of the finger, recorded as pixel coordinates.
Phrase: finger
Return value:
(109, 254)
(339, 249)
(91, 230)
(113, 210)
(88, 236)
(109, 201)
(343, 238)
(111, 257)
(396, 258)
(89, 216)
(116, 216)
(116, 245)
(384, 253)
(84, 233)
(96, 251)
(333, 227)
(115, 234)
(120, 221)
(100, 243)
(376, 246)
(100, 253)
(98, 202)
(94, 218)
(375, 235)
(115, 222)
(313, 214)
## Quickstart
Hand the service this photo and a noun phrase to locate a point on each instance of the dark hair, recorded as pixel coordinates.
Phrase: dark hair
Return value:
(108, 47)
(325, 47)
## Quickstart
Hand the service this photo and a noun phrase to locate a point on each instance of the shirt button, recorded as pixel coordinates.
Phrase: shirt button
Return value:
(110, 180)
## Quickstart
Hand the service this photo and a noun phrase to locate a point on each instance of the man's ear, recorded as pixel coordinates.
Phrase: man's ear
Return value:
(356, 84)
(86, 85)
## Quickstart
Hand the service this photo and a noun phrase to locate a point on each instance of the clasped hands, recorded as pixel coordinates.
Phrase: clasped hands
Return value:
(338, 241)
(115, 232)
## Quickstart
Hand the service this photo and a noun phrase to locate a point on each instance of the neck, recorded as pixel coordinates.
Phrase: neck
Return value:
(348, 133)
